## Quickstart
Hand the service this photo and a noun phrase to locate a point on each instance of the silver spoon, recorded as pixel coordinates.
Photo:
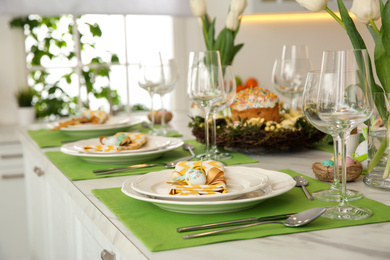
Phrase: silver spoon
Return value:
(301, 181)
(296, 220)
(190, 148)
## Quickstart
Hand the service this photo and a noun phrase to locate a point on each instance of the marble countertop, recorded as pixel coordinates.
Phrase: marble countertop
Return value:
(358, 242)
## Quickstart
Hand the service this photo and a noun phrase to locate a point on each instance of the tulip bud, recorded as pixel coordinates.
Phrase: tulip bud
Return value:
(365, 10)
(313, 5)
(232, 21)
(238, 6)
(198, 7)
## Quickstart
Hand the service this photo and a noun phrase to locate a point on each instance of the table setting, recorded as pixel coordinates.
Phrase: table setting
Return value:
(172, 193)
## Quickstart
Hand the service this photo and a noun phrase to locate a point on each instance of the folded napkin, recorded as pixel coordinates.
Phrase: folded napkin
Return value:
(119, 142)
(88, 116)
(77, 169)
(198, 178)
(156, 227)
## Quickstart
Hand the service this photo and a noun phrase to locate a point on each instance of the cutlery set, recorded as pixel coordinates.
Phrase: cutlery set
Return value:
(292, 220)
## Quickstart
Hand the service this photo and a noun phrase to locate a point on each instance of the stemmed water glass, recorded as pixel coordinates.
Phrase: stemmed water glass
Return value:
(171, 76)
(150, 77)
(310, 96)
(289, 72)
(205, 85)
(227, 99)
(344, 103)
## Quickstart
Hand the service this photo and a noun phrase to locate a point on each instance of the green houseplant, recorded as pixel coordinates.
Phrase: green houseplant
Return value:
(26, 110)
(24, 97)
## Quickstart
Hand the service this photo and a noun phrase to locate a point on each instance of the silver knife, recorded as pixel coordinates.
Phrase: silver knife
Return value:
(233, 222)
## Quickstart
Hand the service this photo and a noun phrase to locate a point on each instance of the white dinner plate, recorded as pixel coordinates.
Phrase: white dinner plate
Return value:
(122, 158)
(111, 127)
(153, 143)
(239, 180)
(279, 183)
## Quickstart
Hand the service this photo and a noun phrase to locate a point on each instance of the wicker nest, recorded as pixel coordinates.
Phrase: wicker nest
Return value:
(325, 173)
(246, 137)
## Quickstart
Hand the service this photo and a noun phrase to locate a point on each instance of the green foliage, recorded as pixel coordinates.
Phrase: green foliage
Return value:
(244, 135)
(224, 42)
(24, 97)
(47, 41)
(381, 54)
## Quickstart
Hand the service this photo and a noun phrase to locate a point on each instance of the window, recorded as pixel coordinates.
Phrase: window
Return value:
(108, 62)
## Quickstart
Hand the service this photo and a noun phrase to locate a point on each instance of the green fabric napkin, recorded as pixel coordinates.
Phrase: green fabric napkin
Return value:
(156, 228)
(47, 138)
(77, 169)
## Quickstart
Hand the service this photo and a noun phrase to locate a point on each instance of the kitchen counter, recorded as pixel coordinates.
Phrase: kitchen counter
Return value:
(358, 242)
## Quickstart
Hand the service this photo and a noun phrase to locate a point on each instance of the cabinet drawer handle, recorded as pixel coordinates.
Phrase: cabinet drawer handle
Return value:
(106, 255)
(11, 156)
(12, 176)
(38, 171)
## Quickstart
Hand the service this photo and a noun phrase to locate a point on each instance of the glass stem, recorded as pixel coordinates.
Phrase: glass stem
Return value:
(207, 135)
(152, 110)
(336, 180)
(163, 124)
(294, 104)
(214, 149)
(344, 199)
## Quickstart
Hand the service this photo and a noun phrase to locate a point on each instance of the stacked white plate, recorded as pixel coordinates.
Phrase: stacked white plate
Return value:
(88, 130)
(246, 188)
(155, 147)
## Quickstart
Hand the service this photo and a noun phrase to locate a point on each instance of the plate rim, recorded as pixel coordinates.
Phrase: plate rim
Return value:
(273, 193)
(167, 141)
(224, 196)
(176, 144)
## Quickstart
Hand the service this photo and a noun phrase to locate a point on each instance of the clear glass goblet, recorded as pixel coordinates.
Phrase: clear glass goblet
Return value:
(310, 96)
(171, 76)
(344, 103)
(205, 85)
(289, 72)
(150, 77)
(226, 101)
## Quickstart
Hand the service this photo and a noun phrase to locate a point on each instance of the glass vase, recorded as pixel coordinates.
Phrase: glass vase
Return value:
(378, 153)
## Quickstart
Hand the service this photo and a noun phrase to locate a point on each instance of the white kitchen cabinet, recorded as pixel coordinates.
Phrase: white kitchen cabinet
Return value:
(13, 221)
(58, 227)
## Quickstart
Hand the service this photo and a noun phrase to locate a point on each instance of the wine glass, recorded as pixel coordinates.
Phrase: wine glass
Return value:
(150, 77)
(205, 85)
(344, 103)
(171, 76)
(289, 72)
(227, 99)
(310, 96)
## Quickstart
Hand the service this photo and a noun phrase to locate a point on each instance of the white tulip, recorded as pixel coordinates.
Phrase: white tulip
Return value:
(313, 5)
(232, 20)
(238, 6)
(198, 7)
(365, 10)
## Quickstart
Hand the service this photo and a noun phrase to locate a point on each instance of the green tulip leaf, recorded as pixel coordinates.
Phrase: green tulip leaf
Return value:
(224, 44)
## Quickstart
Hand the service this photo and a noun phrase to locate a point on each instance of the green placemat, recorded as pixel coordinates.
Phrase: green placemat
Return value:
(47, 138)
(77, 169)
(156, 228)
(324, 145)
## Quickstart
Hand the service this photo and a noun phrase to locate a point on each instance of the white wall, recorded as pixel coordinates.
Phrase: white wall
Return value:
(263, 42)
(263, 39)
(12, 69)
